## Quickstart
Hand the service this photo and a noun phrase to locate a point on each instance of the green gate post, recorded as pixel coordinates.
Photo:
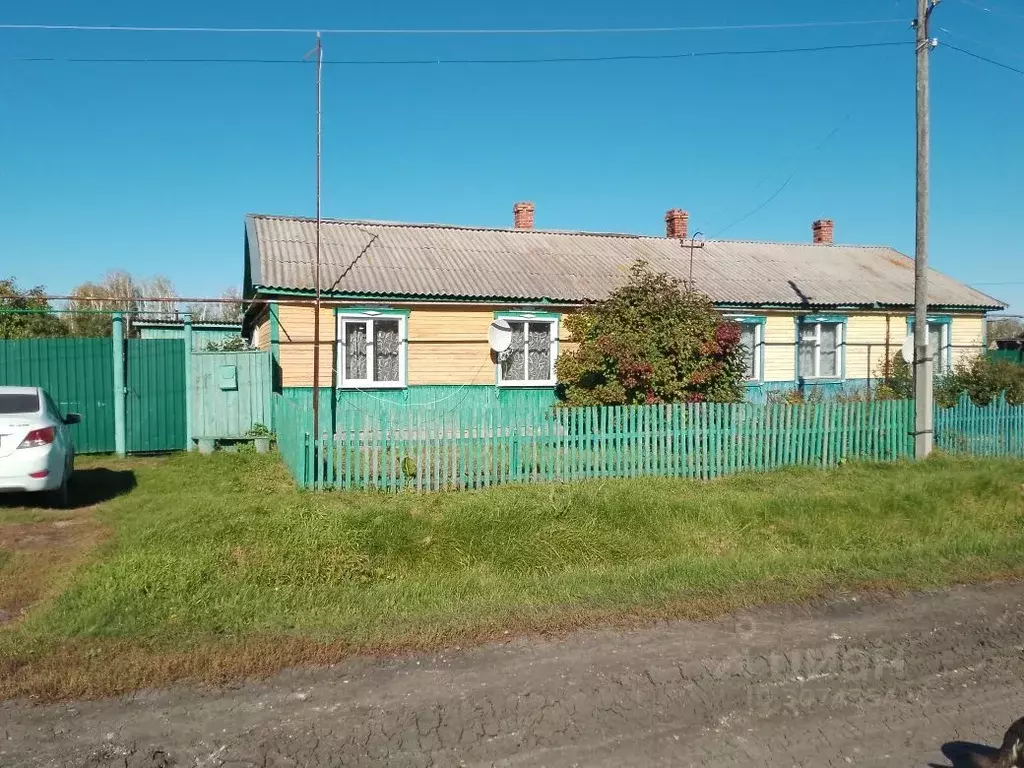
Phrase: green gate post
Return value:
(188, 382)
(117, 338)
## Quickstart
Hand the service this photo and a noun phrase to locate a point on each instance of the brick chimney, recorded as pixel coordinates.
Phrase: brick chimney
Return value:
(676, 223)
(523, 215)
(822, 230)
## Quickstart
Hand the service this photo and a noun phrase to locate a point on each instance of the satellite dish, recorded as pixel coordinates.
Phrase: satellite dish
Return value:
(908, 350)
(499, 335)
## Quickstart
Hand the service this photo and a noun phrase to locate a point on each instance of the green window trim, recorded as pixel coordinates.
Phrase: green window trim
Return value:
(371, 310)
(841, 321)
(368, 313)
(527, 315)
(946, 329)
(760, 347)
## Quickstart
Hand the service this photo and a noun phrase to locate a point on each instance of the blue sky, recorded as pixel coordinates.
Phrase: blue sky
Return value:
(152, 167)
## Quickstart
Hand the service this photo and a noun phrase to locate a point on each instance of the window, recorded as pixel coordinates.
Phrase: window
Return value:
(752, 341)
(819, 352)
(371, 350)
(54, 410)
(938, 342)
(530, 361)
(18, 403)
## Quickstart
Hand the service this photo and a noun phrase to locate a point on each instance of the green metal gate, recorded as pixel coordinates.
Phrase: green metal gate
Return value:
(156, 395)
(79, 377)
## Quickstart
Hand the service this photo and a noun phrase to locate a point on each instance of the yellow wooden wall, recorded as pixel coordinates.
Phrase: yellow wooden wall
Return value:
(866, 343)
(967, 337)
(448, 345)
(779, 334)
(262, 331)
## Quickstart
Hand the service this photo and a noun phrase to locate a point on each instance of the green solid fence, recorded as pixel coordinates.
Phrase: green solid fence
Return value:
(1007, 355)
(79, 376)
(424, 451)
(155, 395)
(230, 393)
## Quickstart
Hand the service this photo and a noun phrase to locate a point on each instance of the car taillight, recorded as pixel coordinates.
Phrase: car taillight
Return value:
(38, 437)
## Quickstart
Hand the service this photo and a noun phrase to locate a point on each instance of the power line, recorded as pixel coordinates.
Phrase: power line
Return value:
(557, 31)
(423, 62)
(997, 49)
(979, 57)
(785, 184)
(995, 10)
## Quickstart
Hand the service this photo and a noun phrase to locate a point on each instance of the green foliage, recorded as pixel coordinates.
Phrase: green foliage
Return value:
(895, 379)
(651, 341)
(31, 317)
(224, 546)
(982, 379)
(233, 344)
(259, 430)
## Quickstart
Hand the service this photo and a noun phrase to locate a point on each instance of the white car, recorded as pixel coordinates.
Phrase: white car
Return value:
(36, 449)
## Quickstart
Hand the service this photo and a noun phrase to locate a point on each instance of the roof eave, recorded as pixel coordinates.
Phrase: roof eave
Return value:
(266, 292)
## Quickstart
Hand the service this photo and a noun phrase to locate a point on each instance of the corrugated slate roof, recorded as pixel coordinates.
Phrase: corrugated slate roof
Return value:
(434, 261)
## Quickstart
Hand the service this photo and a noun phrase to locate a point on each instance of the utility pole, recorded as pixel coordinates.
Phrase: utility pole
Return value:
(923, 370)
(316, 309)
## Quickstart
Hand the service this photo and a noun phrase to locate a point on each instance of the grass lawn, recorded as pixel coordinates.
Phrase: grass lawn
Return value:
(214, 567)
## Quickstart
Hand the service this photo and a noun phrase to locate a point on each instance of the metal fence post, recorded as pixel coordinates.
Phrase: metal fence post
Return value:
(189, 429)
(117, 339)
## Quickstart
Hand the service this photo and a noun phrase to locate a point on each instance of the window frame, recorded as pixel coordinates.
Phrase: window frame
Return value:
(530, 317)
(819, 320)
(758, 321)
(342, 316)
(945, 323)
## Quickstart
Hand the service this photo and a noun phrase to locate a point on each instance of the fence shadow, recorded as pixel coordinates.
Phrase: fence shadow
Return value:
(966, 754)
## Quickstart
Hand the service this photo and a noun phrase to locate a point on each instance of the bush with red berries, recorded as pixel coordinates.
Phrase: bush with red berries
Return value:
(651, 341)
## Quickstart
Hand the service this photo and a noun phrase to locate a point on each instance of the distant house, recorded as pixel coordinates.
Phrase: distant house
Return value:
(408, 306)
(203, 332)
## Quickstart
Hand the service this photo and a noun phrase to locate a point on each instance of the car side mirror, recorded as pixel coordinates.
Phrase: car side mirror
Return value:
(73, 418)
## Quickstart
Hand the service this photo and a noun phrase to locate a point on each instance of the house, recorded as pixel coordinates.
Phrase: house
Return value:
(204, 332)
(407, 307)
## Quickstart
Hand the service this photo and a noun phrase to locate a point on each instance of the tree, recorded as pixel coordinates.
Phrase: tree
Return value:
(651, 341)
(29, 315)
(157, 287)
(120, 292)
(229, 310)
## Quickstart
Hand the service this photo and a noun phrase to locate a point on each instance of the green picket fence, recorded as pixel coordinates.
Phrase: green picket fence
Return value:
(421, 451)
(292, 425)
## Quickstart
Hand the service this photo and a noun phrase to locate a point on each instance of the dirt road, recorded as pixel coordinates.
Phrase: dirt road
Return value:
(855, 681)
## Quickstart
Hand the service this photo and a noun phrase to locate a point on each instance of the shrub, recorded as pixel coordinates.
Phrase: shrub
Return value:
(982, 380)
(895, 379)
(232, 344)
(651, 341)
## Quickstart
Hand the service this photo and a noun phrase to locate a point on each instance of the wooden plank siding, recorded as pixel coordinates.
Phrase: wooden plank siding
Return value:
(779, 335)
(967, 337)
(866, 343)
(261, 331)
(448, 345)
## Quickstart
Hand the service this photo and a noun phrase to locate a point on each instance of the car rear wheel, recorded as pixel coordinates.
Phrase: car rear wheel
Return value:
(60, 497)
